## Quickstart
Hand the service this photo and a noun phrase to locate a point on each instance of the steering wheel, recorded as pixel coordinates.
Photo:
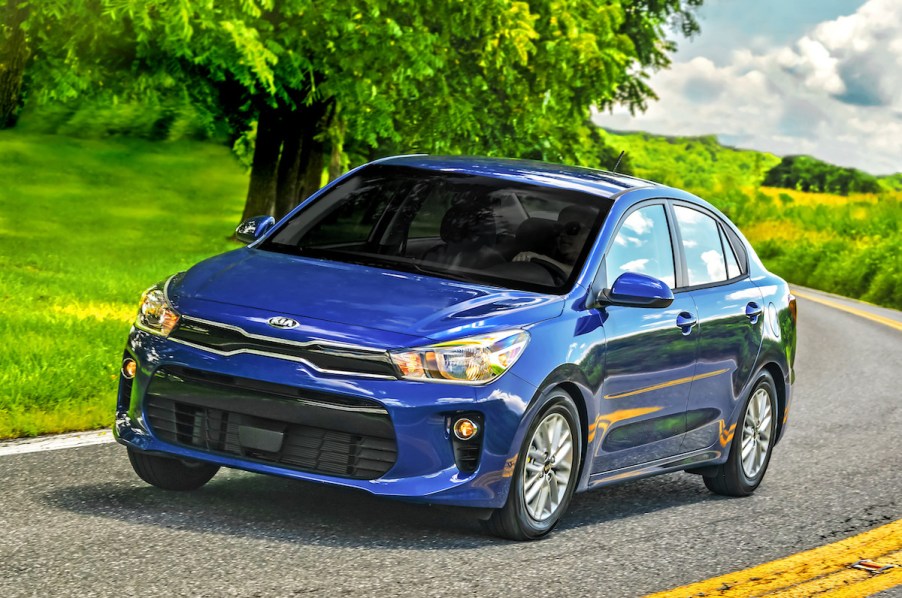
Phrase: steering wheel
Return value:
(557, 273)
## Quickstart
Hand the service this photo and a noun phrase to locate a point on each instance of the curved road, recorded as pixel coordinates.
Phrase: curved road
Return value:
(79, 522)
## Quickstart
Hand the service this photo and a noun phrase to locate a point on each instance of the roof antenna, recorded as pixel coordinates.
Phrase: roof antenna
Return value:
(619, 158)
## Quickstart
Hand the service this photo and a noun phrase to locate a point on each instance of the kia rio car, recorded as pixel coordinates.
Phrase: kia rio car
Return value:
(485, 333)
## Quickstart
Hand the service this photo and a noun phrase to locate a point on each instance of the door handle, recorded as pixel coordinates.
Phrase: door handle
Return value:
(753, 311)
(685, 321)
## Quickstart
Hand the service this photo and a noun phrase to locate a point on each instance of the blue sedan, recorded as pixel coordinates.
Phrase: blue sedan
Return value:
(486, 333)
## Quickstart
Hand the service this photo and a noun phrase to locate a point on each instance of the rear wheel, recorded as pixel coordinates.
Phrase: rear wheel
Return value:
(752, 443)
(545, 475)
(171, 474)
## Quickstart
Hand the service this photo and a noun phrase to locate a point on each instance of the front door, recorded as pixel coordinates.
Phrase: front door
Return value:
(650, 354)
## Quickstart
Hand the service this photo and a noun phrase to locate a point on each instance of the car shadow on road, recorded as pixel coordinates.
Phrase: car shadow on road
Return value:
(248, 505)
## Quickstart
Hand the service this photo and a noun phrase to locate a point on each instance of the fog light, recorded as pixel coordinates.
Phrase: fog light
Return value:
(129, 367)
(465, 429)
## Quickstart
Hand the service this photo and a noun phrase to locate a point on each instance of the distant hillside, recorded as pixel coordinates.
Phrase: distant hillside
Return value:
(697, 163)
(704, 164)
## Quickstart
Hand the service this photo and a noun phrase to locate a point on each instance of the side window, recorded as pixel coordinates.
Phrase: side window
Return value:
(732, 264)
(642, 245)
(701, 246)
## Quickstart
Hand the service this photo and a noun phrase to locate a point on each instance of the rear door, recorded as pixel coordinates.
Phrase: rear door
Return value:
(650, 358)
(730, 320)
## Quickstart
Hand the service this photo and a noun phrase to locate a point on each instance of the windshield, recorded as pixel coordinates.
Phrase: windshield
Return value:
(462, 227)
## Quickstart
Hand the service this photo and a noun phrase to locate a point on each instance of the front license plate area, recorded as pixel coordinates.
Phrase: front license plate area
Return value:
(255, 434)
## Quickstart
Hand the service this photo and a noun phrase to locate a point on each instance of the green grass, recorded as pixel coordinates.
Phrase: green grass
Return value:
(848, 245)
(85, 226)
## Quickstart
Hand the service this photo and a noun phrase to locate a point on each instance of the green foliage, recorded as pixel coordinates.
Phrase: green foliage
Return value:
(14, 53)
(437, 76)
(851, 248)
(809, 174)
(85, 226)
(697, 163)
(892, 182)
(169, 119)
(870, 272)
(496, 77)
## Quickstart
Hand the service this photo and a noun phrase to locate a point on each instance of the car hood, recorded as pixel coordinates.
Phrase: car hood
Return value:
(355, 297)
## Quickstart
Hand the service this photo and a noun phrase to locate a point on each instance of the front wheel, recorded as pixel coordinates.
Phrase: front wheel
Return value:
(545, 474)
(752, 443)
(171, 474)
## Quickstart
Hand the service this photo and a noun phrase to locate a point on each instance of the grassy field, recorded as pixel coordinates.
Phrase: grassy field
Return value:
(85, 226)
(850, 245)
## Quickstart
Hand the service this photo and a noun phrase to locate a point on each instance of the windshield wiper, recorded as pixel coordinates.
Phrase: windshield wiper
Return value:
(440, 273)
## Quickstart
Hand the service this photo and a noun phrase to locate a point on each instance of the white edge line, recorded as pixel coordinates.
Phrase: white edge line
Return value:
(56, 442)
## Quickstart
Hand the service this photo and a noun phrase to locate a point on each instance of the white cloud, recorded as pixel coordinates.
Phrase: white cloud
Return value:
(835, 93)
(634, 266)
(639, 223)
(714, 264)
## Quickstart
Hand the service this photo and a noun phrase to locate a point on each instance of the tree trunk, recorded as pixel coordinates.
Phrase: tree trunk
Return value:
(312, 174)
(290, 163)
(13, 56)
(261, 192)
(311, 161)
(337, 159)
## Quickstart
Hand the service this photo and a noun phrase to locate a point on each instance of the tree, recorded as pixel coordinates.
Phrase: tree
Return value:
(810, 174)
(14, 53)
(496, 77)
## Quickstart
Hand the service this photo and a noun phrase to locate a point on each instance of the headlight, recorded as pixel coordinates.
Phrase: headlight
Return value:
(155, 314)
(473, 360)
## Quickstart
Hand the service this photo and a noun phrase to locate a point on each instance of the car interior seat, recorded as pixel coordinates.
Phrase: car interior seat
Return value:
(468, 237)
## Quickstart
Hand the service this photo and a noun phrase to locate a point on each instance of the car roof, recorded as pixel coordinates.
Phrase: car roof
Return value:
(597, 182)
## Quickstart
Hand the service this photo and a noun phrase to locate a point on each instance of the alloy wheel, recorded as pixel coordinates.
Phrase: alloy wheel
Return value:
(756, 433)
(546, 474)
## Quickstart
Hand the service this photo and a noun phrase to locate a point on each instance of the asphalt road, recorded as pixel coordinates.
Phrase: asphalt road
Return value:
(79, 522)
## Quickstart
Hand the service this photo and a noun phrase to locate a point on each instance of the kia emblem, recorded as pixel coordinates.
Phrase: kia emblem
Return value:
(282, 322)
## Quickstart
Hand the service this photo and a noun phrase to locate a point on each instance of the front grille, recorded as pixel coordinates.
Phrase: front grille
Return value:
(349, 437)
(230, 340)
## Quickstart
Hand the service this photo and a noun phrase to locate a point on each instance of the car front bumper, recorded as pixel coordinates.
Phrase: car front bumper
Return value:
(267, 399)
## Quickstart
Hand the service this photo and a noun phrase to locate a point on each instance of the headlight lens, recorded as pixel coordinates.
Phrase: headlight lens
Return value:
(155, 314)
(472, 360)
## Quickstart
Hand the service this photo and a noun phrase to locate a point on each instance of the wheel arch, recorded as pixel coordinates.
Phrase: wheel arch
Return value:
(571, 380)
(776, 372)
(579, 400)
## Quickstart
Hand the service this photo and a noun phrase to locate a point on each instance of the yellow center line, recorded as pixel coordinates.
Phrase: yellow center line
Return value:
(852, 310)
(822, 571)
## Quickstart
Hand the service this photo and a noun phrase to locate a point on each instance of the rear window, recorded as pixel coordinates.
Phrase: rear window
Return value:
(451, 225)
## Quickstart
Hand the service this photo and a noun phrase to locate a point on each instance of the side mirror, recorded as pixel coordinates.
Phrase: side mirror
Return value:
(253, 228)
(632, 289)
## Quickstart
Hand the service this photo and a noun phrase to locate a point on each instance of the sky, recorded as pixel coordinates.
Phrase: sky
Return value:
(816, 77)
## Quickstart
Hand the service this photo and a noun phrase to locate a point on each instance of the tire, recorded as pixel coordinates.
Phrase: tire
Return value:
(171, 474)
(740, 476)
(522, 519)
